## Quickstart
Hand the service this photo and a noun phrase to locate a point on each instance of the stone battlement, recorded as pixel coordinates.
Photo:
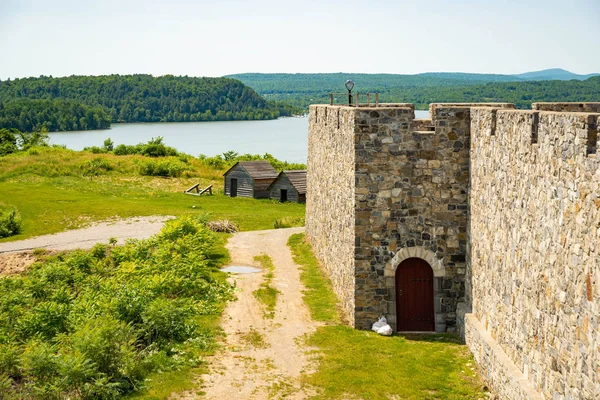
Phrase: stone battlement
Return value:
(502, 204)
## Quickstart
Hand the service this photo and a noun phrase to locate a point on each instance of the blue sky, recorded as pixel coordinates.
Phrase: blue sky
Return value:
(214, 38)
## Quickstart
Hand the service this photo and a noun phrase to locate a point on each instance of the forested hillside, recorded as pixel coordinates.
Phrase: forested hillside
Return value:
(304, 89)
(28, 115)
(130, 98)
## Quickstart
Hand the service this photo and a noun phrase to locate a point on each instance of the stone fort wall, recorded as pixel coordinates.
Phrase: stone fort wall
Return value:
(330, 223)
(384, 187)
(535, 250)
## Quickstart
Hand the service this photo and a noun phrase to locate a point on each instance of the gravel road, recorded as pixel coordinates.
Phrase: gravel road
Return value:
(86, 238)
(16, 256)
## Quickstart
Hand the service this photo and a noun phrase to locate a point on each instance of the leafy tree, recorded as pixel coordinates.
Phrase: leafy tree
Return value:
(8, 141)
(109, 145)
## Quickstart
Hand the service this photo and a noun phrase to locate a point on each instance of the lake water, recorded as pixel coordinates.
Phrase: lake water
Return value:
(284, 138)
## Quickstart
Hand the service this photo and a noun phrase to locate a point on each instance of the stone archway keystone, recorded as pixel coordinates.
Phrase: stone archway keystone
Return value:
(418, 252)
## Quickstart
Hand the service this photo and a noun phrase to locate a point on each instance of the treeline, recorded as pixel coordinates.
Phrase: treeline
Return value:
(522, 94)
(28, 115)
(334, 82)
(141, 98)
(301, 90)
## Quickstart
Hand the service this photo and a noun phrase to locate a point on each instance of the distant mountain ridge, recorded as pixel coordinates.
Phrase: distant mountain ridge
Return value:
(553, 74)
(301, 90)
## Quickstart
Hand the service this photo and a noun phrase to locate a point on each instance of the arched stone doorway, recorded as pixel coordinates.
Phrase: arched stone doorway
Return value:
(414, 296)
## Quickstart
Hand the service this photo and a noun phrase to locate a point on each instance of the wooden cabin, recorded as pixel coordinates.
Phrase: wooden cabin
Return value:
(249, 179)
(289, 186)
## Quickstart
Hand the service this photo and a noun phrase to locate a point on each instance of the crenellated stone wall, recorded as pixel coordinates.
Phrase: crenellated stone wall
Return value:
(535, 250)
(405, 189)
(411, 192)
(569, 107)
(330, 222)
(503, 204)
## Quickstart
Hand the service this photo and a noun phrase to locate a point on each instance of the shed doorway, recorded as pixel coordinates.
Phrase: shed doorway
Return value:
(283, 197)
(233, 187)
(414, 296)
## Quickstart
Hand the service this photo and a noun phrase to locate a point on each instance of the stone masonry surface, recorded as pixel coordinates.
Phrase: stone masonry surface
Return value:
(571, 107)
(535, 245)
(377, 186)
(504, 205)
(330, 210)
(411, 192)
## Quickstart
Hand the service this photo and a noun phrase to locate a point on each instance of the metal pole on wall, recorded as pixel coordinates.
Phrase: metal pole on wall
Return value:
(349, 86)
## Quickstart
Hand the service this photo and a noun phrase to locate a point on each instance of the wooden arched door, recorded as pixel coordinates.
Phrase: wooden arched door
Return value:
(414, 296)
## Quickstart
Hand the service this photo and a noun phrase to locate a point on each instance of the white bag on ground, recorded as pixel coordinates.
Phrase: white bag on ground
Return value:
(385, 330)
(382, 321)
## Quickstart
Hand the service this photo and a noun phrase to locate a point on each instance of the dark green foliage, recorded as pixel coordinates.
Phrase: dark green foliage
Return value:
(92, 102)
(31, 115)
(301, 90)
(8, 141)
(13, 140)
(95, 324)
(10, 221)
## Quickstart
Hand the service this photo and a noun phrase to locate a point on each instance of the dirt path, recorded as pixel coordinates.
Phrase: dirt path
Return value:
(16, 256)
(245, 369)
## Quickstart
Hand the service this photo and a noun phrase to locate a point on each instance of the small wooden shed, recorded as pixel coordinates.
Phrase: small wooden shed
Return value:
(289, 186)
(249, 179)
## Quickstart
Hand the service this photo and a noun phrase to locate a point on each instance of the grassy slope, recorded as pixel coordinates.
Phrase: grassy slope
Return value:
(362, 364)
(52, 195)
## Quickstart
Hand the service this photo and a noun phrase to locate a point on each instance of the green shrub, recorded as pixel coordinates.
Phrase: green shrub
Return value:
(229, 158)
(95, 150)
(166, 319)
(289, 222)
(95, 167)
(108, 145)
(170, 167)
(123, 150)
(8, 141)
(9, 360)
(10, 221)
(93, 324)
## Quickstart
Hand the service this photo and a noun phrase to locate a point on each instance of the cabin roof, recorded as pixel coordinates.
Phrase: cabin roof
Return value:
(256, 169)
(297, 178)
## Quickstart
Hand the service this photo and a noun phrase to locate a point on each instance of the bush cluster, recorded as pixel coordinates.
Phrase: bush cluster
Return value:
(94, 324)
(169, 167)
(229, 158)
(10, 221)
(95, 167)
(153, 148)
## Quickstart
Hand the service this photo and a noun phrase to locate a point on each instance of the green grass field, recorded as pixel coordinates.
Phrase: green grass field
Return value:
(357, 364)
(50, 189)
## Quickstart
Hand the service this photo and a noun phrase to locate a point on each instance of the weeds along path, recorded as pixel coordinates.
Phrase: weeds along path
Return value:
(261, 358)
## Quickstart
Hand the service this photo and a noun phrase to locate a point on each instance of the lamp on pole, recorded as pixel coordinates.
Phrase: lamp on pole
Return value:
(349, 86)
